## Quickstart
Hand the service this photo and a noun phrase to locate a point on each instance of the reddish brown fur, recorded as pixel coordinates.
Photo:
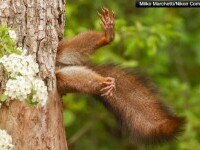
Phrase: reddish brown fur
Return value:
(79, 78)
(139, 109)
(134, 102)
(79, 47)
(81, 42)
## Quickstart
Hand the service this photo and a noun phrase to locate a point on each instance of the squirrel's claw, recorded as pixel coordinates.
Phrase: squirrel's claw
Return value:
(107, 18)
(109, 86)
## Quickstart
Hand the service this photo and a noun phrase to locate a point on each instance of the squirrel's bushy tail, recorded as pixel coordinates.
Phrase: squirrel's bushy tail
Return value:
(136, 105)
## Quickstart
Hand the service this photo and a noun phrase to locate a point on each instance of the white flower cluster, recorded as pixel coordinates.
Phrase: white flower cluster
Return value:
(5, 141)
(24, 84)
(40, 89)
(18, 88)
(24, 51)
(20, 65)
(12, 35)
(23, 88)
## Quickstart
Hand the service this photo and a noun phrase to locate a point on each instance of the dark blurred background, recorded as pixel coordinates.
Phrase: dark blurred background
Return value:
(161, 42)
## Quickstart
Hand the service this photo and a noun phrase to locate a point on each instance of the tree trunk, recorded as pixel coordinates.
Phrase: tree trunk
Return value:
(39, 25)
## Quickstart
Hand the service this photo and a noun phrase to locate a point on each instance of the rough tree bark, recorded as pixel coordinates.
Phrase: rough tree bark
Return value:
(39, 25)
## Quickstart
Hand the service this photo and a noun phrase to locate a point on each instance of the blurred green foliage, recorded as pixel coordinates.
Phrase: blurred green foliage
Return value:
(7, 45)
(162, 42)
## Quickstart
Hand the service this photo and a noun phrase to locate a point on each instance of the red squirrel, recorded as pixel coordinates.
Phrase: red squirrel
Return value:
(134, 102)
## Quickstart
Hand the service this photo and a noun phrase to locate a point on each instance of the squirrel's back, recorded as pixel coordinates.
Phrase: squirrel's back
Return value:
(136, 105)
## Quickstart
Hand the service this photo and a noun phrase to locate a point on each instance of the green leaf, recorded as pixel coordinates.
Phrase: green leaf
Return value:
(30, 101)
(131, 63)
(3, 97)
(69, 118)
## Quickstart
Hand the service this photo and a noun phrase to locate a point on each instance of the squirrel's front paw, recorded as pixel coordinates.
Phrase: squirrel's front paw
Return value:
(108, 87)
(107, 18)
(107, 23)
